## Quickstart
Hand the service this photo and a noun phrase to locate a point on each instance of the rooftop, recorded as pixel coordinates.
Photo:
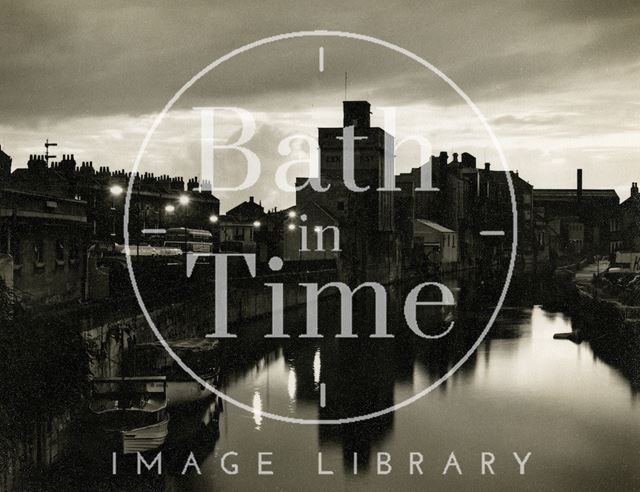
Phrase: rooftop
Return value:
(434, 226)
(560, 194)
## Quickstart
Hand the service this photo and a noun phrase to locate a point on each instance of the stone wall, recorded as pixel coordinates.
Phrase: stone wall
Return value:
(193, 317)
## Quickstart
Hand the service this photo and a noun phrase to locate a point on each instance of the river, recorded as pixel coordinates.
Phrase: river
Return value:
(521, 392)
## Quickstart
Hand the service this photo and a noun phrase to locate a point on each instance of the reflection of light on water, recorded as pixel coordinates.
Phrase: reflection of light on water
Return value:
(209, 413)
(316, 367)
(291, 383)
(257, 409)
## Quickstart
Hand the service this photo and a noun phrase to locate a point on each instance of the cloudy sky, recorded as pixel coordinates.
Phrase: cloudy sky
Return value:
(559, 81)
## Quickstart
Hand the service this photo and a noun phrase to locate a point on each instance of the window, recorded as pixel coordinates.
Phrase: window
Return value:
(74, 253)
(38, 253)
(16, 252)
(614, 225)
(59, 253)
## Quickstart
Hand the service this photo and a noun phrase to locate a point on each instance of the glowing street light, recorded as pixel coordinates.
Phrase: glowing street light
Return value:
(257, 224)
(184, 201)
(170, 209)
(291, 227)
(213, 219)
(116, 190)
(292, 214)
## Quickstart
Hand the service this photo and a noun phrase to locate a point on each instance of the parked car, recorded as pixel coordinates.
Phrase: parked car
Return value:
(615, 274)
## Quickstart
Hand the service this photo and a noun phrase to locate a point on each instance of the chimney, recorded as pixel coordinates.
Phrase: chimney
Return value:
(250, 199)
(468, 161)
(455, 163)
(579, 191)
(634, 189)
(487, 167)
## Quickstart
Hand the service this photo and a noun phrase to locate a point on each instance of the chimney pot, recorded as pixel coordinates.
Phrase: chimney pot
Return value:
(579, 183)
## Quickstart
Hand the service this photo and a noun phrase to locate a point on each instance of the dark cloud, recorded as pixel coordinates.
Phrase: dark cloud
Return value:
(90, 58)
(564, 71)
(585, 10)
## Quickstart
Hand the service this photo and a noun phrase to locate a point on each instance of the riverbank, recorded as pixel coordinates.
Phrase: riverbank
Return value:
(611, 327)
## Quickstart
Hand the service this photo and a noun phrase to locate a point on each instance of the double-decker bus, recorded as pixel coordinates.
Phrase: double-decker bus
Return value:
(195, 240)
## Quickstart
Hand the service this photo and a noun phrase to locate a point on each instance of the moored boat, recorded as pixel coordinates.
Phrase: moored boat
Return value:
(201, 355)
(132, 412)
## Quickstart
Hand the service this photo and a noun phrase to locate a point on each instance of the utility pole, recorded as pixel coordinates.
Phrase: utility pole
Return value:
(345, 85)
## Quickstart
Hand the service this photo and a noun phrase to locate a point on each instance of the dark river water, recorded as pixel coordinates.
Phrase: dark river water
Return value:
(521, 392)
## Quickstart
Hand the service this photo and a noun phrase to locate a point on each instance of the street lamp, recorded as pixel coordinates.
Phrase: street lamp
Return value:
(257, 224)
(291, 227)
(184, 201)
(168, 210)
(292, 214)
(116, 191)
(215, 232)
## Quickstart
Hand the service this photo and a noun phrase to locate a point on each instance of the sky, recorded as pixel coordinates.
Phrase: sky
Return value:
(558, 82)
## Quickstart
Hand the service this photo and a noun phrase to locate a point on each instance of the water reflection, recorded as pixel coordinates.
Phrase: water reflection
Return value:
(316, 367)
(291, 384)
(257, 409)
(520, 391)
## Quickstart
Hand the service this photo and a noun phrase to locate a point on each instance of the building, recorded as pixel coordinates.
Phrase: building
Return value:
(247, 211)
(156, 201)
(54, 212)
(310, 233)
(626, 226)
(587, 218)
(5, 167)
(239, 229)
(496, 214)
(369, 244)
(437, 243)
(469, 200)
(46, 239)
